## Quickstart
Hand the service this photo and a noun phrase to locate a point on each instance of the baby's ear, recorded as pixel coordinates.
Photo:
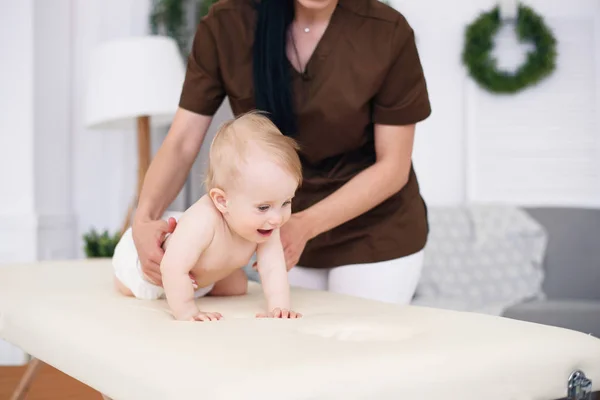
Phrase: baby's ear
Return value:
(219, 199)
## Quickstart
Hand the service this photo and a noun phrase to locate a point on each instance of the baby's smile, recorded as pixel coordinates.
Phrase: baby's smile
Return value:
(265, 232)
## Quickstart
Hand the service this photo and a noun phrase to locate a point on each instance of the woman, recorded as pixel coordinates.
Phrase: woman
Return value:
(343, 77)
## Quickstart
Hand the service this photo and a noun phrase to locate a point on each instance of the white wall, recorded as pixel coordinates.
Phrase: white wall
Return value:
(104, 162)
(481, 147)
(17, 129)
(52, 127)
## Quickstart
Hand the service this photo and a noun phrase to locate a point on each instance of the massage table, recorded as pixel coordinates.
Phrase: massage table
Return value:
(68, 315)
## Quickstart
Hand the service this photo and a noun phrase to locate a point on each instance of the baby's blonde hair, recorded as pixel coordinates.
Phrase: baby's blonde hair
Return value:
(230, 145)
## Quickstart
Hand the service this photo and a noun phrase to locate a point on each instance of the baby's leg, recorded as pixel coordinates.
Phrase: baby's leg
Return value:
(236, 284)
(124, 290)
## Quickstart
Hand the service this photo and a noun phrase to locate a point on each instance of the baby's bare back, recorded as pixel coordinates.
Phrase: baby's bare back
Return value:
(226, 252)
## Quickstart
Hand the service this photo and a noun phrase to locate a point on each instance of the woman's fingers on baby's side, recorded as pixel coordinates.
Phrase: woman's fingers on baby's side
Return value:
(156, 256)
(171, 224)
(162, 228)
(151, 267)
(151, 271)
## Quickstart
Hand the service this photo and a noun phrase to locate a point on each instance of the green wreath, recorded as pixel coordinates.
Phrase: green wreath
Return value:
(479, 45)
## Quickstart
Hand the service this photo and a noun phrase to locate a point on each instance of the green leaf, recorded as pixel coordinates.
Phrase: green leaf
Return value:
(170, 18)
(479, 44)
(100, 245)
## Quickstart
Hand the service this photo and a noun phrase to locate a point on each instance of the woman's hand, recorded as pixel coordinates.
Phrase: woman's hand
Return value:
(148, 237)
(294, 235)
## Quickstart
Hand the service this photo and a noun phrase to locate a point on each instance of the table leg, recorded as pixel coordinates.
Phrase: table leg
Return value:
(27, 379)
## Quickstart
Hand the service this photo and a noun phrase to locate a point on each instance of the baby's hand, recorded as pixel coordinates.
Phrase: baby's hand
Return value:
(206, 316)
(279, 313)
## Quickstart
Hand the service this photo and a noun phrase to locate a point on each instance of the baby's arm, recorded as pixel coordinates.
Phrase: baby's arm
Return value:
(273, 273)
(193, 234)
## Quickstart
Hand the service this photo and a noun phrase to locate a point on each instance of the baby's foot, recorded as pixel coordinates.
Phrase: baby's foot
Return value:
(207, 316)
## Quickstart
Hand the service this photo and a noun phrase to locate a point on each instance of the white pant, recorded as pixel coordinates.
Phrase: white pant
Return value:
(393, 281)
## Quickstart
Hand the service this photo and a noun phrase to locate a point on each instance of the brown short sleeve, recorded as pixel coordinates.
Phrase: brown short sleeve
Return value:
(203, 91)
(402, 98)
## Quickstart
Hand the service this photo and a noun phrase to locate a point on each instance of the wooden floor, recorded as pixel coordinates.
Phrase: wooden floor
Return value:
(50, 384)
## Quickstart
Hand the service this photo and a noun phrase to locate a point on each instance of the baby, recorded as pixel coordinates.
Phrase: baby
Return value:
(253, 173)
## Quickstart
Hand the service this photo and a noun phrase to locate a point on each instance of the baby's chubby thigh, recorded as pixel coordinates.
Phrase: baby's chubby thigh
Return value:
(234, 284)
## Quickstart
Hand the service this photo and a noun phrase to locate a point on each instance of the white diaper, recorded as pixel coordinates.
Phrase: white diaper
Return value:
(128, 271)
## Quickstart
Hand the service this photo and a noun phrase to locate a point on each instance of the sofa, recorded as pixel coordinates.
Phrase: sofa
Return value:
(572, 271)
(537, 264)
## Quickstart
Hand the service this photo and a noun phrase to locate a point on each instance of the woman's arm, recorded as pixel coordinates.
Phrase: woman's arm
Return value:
(389, 174)
(172, 163)
(163, 181)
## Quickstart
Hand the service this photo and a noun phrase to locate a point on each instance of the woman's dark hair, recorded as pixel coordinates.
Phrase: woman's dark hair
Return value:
(271, 70)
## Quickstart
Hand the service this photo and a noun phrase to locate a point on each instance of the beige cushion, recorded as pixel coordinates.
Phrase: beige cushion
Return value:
(68, 315)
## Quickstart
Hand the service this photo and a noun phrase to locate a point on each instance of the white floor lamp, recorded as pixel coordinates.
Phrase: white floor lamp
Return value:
(134, 83)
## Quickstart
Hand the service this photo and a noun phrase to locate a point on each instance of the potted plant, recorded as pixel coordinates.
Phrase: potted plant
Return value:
(100, 245)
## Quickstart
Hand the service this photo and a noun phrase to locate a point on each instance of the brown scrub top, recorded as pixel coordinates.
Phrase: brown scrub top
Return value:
(364, 71)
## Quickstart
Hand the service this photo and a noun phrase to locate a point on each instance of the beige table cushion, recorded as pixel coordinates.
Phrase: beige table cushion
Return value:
(68, 315)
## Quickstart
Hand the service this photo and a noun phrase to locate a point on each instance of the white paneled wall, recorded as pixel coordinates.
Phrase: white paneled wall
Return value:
(535, 147)
(542, 146)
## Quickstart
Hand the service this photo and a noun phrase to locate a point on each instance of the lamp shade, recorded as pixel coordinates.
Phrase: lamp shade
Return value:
(133, 77)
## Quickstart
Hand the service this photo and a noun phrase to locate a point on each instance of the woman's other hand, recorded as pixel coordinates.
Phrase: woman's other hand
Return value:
(294, 235)
(148, 237)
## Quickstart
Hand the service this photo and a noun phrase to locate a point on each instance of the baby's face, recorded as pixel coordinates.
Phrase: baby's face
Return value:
(261, 200)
